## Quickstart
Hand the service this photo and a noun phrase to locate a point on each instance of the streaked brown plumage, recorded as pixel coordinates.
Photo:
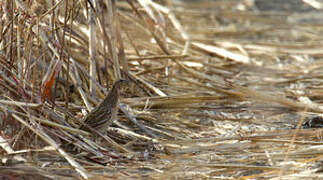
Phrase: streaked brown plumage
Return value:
(104, 114)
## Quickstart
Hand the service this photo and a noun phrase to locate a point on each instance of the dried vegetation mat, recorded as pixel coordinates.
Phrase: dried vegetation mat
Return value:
(218, 89)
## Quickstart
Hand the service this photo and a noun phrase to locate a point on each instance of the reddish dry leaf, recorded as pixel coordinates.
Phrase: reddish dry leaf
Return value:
(49, 80)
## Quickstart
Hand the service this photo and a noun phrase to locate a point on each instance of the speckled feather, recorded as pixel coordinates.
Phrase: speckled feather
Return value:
(104, 114)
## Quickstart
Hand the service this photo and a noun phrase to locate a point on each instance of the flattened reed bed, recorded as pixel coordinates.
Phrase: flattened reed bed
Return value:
(218, 89)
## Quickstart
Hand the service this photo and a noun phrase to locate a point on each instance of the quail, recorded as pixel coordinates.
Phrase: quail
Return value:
(104, 114)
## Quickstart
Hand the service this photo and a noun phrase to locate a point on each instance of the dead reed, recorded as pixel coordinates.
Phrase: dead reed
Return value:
(218, 89)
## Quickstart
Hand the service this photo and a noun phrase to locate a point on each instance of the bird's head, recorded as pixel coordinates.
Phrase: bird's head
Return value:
(120, 84)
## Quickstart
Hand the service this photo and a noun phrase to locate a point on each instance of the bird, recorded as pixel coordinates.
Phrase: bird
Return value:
(102, 116)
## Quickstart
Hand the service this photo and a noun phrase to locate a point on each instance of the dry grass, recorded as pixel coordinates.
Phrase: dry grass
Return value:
(219, 89)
